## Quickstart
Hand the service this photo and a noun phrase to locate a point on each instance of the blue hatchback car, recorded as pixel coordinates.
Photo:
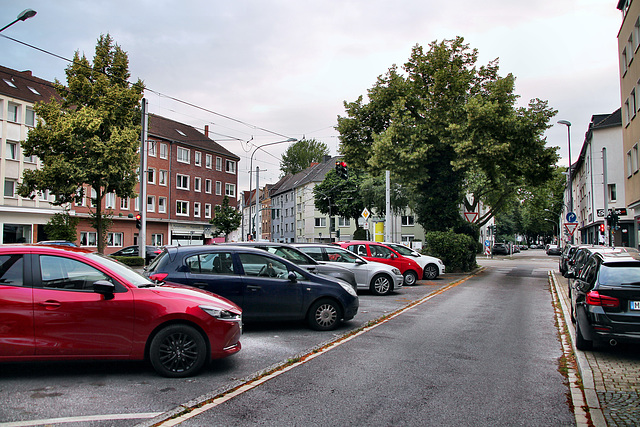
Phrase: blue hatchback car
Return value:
(266, 286)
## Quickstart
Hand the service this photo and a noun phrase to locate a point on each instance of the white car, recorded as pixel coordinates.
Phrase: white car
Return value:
(380, 278)
(432, 267)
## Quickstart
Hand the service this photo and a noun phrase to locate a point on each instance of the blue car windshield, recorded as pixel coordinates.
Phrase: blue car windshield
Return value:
(620, 274)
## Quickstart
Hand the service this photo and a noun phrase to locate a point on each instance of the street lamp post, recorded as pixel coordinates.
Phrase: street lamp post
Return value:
(568, 125)
(251, 181)
(23, 16)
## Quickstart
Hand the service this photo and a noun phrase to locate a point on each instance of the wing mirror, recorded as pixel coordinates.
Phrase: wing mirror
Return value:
(104, 287)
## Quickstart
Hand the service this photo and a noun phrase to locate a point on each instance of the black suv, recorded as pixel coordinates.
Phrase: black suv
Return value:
(605, 299)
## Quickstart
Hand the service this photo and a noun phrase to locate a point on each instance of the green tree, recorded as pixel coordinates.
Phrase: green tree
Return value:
(62, 226)
(300, 155)
(226, 219)
(335, 196)
(91, 136)
(448, 127)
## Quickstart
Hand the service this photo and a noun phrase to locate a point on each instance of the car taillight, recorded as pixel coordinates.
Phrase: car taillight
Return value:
(158, 277)
(594, 298)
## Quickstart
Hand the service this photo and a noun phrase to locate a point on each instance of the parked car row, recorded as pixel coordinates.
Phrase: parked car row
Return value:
(604, 289)
(190, 305)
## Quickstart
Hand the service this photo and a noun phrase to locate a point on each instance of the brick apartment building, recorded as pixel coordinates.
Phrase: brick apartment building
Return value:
(188, 174)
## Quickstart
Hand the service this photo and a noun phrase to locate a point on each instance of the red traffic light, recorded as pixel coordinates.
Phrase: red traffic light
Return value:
(602, 228)
(138, 221)
(138, 217)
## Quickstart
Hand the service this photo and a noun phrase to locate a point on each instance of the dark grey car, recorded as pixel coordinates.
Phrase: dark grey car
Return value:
(303, 260)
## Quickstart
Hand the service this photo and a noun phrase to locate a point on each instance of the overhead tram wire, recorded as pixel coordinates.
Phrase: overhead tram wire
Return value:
(156, 92)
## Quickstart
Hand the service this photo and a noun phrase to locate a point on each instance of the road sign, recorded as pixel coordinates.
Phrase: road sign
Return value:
(571, 217)
(571, 227)
(487, 242)
(365, 214)
(618, 211)
(471, 216)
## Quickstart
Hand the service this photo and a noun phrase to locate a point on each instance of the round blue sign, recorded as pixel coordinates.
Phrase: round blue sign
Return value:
(571, 217)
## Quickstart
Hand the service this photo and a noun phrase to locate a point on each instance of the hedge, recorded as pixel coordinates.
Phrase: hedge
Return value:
(131, 261)
(457, 251)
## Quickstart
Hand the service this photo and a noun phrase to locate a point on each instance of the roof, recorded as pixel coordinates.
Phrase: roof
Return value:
(315, 173)
(171, 130)
(598, 122)
(24, 86)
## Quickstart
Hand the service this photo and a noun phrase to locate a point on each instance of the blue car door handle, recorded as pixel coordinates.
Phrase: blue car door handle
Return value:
(253, 288)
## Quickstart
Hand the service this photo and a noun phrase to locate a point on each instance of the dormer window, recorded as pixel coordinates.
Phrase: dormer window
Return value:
(34, 90)
(181, 133)
(10, 83)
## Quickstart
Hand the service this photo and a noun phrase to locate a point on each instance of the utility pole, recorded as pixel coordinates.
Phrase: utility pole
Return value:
(142, 234)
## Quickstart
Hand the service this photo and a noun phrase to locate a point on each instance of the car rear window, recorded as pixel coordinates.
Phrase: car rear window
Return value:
(620, 274)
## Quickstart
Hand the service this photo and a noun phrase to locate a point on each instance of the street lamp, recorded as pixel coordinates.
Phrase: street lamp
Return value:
(23, 16)
(568, 125)
(251, 181)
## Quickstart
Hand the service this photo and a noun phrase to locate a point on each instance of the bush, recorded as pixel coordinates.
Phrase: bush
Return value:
(457, 251)
(131, 261)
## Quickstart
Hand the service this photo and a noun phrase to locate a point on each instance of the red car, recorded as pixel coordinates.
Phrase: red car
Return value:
(68, 303)
(378, 252)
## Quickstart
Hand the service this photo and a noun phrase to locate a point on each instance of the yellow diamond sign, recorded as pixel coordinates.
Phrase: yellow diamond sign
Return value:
(365, 214)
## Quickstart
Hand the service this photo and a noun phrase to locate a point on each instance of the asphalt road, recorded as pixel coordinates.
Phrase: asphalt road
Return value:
(483, 352)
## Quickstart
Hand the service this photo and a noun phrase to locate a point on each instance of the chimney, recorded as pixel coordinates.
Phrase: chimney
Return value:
(206, 131)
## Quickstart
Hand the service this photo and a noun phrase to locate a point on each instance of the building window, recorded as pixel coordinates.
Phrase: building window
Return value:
(218, 188)
(30, 118)
(632, 103)
(230, 190)
(320, 222)
(197, 158)
(183, 155)
(88, 238)
(207, 161)
(163, 151)
(182, 208)
(207, 210)
(124, 203)
(407, 220)
(110, 200)
(9, 188)
(629, 166)
(634, 159)
(14, 112)
(162, 205)
(151, 203)
(151, 176)
(230, 166)
(156, 239)
(344, 222)
(196, 209)
(114, 239)
(613, 196)
(151, 151)
(92, 200)
(182, 182)
(162, 177)
(197, 184)
(207, 186)
(218, 163)
(12, 150)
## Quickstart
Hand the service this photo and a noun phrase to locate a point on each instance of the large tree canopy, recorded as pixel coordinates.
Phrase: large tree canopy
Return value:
(91, 137)
(300, 155)
(447, 127)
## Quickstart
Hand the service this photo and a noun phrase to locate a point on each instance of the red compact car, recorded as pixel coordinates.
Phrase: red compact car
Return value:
(68, 303)
(378, 252)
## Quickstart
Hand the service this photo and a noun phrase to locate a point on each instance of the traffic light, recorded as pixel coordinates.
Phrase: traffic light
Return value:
(602, 228)
(138, 221)
(614, 220)
(341, 170)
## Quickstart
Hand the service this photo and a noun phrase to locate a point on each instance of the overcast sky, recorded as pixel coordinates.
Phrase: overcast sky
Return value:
(282, 69)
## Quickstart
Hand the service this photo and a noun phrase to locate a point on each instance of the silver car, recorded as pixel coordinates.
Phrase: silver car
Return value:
(381, 279)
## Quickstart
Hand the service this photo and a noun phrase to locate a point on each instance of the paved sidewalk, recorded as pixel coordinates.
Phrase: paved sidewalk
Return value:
(610, 375)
